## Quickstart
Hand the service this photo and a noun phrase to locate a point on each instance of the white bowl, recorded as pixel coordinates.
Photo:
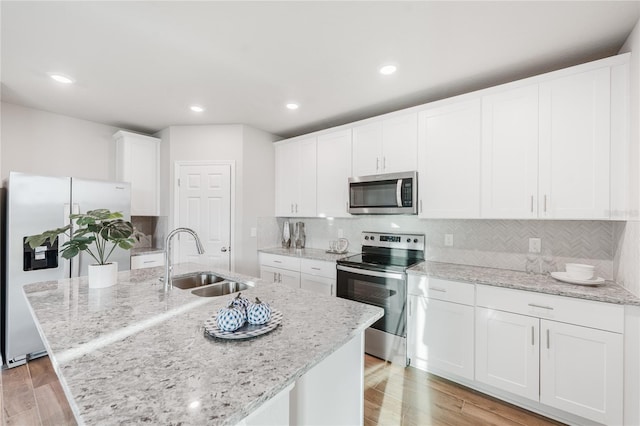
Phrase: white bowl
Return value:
(580, 271)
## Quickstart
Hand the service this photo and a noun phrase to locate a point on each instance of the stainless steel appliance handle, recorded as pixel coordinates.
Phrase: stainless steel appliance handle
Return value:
(399, 192)
(392, 275)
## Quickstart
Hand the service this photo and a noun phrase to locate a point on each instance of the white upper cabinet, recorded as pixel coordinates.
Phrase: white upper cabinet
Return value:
(334, 170)
(449, 161)
(138, 162)
(574, 146)
(386, 146)
(510, 154)
(296, 178)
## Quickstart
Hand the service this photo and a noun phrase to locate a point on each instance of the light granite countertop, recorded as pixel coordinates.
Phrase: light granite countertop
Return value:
(138, 251)
(609, 292)
(307, 253)
(134, 354)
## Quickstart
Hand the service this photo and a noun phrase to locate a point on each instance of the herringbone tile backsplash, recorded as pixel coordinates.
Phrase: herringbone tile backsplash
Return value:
(493, 243)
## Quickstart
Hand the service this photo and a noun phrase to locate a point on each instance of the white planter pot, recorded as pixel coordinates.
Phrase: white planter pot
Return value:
(101, 276)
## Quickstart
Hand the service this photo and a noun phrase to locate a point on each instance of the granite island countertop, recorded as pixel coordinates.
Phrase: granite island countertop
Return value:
(139, 251)
(132, 354)
(307, 253)
(609, 292)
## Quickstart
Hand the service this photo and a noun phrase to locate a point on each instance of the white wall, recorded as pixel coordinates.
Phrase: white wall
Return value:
(39, 142)
(253, 153)
(627, 234)
(258, 194)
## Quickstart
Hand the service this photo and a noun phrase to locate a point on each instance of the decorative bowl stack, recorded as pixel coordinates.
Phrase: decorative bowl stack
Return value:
(241, 319)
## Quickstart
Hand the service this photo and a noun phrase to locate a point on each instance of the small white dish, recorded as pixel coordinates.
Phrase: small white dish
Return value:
(563, 276)
(579, 271)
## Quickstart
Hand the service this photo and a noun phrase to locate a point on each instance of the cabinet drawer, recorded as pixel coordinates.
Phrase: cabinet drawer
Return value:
(600, 315)
(283, 262)
(319, 268)
(147, 260)
(436, 288)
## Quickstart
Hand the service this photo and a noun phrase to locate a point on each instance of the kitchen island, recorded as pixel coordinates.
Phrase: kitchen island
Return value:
(132, 353)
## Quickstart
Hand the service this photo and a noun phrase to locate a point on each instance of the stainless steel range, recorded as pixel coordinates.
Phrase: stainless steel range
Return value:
(378, 277)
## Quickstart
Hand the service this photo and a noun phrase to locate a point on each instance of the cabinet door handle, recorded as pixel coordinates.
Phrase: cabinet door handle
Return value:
(384, 163)
(377, 164)
(409, 307)
(533, 341)
(548, 343)
(279, 277)
(347, 203)
(533, 305)
(420, 206)
(291, 207)
(545, 203)
(442, 290)
(296, 207)
(532, 204)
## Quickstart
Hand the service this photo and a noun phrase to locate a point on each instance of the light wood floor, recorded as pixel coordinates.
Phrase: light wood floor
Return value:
(406, 396)
(31, 395)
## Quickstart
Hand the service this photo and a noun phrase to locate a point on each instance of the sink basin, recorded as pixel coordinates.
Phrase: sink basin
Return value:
(198, 279)
(220, 289)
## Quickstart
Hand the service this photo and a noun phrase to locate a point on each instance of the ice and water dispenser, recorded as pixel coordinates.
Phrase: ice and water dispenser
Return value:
(41, 257)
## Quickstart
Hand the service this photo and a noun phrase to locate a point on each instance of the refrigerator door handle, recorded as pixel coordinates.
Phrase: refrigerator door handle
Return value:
(75, 263)
(66, 264)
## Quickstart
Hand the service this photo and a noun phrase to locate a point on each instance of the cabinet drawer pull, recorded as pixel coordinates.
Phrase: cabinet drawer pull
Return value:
(277, 261)
(149, 261)
(533, 305)
(316, 269)
(443, 290)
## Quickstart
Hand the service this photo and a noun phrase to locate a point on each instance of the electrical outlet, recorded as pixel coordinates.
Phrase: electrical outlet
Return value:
(535, 245)
(448, 240)
(340, 233)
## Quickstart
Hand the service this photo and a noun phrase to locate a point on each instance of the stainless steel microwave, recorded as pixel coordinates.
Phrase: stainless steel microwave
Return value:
(392, 193)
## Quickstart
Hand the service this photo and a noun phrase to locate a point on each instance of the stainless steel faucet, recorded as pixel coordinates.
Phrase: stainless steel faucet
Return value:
(168, 267)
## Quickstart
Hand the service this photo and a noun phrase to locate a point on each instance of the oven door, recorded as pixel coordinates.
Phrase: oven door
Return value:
(386, 290)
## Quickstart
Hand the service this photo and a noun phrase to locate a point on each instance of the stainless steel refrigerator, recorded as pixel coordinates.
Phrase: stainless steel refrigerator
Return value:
(35, 204)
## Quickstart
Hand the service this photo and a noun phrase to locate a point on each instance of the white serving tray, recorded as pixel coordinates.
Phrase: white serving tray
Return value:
(247, 331)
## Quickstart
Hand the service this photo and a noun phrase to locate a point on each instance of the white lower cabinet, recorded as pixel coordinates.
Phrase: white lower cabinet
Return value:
(440, 332)
(572, 367)
(314, 275)
(581, 371)
(561, 356)
(147, 260)
(282, 276)
(507, 352)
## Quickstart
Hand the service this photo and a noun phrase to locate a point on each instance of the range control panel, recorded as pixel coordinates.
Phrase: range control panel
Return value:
(396, 241)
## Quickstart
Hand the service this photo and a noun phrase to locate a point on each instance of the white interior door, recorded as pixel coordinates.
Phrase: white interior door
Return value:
(204, 197)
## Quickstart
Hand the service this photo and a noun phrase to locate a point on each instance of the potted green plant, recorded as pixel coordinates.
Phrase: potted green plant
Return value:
(97, 232)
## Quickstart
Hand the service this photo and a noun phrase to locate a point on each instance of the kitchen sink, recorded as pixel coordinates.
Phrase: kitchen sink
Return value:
(220, 289)
(197, 279)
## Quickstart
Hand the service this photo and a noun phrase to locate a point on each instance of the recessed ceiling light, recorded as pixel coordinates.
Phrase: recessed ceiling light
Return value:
(196, 108)
(292, 105)
(61, 78)
(388, 69)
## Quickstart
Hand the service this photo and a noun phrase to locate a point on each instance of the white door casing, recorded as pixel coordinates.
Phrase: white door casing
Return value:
(205, 204)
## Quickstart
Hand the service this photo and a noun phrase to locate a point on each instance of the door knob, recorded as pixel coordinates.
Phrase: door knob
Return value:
(223, 249)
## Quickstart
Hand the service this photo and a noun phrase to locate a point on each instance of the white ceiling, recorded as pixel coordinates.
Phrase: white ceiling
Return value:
(139, 65)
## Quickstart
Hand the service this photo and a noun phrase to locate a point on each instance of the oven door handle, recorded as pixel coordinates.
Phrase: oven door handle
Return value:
(399, 192)
(391, 275)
